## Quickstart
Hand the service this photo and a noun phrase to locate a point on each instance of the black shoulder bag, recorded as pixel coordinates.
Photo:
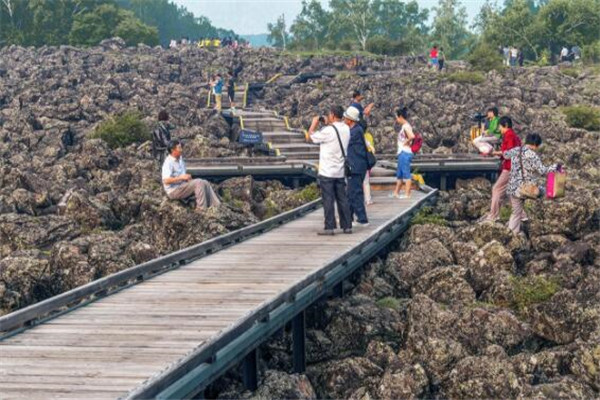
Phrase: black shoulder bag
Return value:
(371, 159)
(347, 166)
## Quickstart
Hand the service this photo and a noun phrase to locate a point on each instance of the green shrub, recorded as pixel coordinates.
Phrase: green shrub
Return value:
(388, 302)
(591, 53)
(485, 58)
(572, 72)
(426, 216)
(528, 291)
(309, 193)
(544, 58)
(472, 78)
(123, 129)
(505, 212)
(585, 117)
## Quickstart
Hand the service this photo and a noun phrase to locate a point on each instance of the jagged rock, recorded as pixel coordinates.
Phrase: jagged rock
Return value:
(357, 320)
(383, 355)
(480, 328)
(584, 364)
(340, 379)
(279, 385)
(418, 234)
(562, 319)
(25, 279)
(409, 383)
(406, 267)
(488, 262)
(446, 285)
(482, 377)
(565, 388)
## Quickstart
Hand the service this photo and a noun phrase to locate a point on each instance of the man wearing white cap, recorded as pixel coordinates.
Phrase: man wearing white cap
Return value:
(357, 158)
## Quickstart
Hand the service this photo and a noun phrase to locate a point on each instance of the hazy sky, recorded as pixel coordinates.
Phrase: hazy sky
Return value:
(250, 16)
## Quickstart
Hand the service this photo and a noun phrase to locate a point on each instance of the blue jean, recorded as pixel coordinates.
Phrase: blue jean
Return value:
(356, 197)
(404, 160)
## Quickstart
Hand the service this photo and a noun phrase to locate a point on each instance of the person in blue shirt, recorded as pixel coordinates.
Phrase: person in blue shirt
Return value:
(217, 88)
(357, 158)
(357, 98)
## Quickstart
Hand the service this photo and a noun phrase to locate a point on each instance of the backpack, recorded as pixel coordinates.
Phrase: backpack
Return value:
(417, 143)
(161, 137)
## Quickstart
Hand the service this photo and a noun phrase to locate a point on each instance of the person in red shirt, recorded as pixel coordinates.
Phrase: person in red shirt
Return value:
(509, 141)
(433, 57)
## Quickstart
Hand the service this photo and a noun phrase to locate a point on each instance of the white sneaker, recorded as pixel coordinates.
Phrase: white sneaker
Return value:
(362, 224)
(402, 196)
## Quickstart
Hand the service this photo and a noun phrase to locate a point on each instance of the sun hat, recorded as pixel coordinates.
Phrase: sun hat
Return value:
(352, 114)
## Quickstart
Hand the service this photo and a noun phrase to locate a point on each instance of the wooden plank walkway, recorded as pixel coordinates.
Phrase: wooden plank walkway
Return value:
(112, 346)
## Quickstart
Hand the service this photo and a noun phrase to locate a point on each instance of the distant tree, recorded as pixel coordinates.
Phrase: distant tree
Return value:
(278, 35)
(567, 23)
(133, 31)
(108, 20)
(311, 27)
(356, 16)
(450, 28)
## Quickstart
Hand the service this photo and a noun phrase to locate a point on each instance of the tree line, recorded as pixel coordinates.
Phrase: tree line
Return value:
(537, 27)
(87, 22)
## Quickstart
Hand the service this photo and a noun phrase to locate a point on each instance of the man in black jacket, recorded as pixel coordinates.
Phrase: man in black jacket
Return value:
(357, 158)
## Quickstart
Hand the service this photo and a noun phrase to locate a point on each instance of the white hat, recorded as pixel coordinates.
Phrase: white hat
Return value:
(352, 114)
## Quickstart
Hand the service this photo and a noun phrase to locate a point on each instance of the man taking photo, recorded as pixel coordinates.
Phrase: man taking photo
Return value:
(333, 140)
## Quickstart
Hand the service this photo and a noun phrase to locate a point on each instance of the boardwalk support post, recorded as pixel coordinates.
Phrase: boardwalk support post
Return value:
(299, 342)
(338, 290)
(444, 182)
(250, 373)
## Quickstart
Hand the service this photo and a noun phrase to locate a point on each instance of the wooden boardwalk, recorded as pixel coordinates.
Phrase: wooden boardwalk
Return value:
(110, 347)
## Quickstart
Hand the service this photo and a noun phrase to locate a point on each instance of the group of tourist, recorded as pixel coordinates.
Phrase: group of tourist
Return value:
(520, 166)
(344, 163)
(572, 55)
(212, 42)
(217, 83)
(511, 56)
(437, 58)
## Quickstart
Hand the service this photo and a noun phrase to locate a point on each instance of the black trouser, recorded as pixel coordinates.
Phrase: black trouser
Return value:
(333, 190)
(356, 197)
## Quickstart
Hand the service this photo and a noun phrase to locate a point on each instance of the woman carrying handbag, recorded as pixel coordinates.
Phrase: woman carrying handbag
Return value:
(522, 181)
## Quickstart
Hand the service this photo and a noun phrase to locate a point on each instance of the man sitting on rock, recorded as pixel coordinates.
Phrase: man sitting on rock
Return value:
(180, 185)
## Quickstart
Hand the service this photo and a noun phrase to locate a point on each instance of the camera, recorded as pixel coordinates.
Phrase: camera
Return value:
(479, 118)
(322, 119)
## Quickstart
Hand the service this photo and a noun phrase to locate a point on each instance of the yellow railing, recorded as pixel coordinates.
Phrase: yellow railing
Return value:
(274, 78)
(245, 96)
(287, 122)
(241, 122)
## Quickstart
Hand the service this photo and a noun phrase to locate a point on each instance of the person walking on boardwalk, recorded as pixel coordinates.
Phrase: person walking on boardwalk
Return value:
(333, 140)
(180, 185)
(405, 154)
(510, 140)
(357, 158)
(525, 165)
(217, 88)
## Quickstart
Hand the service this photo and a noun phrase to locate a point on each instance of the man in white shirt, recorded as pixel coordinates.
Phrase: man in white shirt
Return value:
(333, 140)
(405, 154)
(180, 185)
(564, 53)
